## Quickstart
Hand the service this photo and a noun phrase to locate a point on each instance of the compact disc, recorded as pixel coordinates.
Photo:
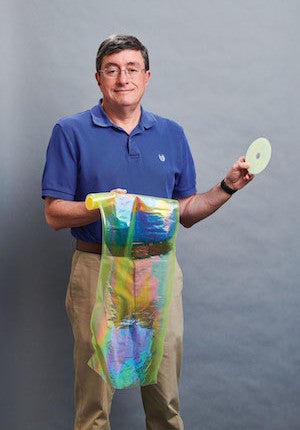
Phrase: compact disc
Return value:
(258, 155)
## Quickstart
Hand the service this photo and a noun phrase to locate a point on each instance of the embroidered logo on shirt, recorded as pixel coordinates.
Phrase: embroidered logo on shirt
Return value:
(162, 157)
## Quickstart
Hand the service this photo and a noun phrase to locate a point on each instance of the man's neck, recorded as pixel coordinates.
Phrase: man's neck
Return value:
(125, 117)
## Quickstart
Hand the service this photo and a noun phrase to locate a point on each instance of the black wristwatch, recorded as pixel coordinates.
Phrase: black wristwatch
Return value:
(227, 189)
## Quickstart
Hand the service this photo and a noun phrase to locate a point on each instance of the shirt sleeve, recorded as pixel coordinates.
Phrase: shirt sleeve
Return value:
(60, 172)
(185, 180)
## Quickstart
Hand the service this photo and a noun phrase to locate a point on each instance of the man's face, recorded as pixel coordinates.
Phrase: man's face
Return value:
(122, 89)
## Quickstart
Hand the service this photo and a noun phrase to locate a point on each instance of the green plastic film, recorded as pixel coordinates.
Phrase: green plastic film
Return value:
(129, 320)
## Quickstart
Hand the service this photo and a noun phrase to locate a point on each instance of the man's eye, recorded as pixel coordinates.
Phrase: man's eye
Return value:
(112, 72)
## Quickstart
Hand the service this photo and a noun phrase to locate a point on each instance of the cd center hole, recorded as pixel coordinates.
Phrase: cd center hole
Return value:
(258, 155)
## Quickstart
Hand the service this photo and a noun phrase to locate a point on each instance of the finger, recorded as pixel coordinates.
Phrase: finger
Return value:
(248, 177)
(244, 165)
(119, 191)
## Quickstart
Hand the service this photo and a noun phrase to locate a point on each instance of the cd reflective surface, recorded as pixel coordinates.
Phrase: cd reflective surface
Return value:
(258, 155)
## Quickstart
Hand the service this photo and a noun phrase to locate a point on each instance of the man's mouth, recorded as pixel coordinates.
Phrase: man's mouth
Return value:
(120, 90)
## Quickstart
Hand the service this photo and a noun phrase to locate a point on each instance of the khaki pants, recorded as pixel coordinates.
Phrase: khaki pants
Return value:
(93, 396)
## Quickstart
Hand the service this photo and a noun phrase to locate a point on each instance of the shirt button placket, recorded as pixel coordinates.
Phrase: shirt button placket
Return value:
(133, 150)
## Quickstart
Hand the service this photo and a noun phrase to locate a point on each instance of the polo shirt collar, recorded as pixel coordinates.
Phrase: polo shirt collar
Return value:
(100, 118)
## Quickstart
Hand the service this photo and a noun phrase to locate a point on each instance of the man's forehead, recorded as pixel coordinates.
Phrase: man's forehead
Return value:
(127, 56)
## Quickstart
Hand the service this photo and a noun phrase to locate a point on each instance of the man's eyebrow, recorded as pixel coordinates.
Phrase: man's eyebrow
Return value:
(111, 65)
(130, 63)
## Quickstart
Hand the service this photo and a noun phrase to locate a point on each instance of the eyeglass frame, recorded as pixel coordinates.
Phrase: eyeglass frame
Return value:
(117, 69)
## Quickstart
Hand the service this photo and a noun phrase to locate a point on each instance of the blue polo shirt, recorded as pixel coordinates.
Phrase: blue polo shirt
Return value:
(87, 153)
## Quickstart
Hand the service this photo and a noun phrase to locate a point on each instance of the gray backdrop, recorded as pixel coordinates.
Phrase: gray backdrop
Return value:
(228, 71)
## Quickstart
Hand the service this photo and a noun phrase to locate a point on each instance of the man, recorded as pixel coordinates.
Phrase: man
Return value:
(117, 145)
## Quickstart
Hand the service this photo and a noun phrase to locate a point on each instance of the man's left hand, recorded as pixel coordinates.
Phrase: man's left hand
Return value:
(239, 176)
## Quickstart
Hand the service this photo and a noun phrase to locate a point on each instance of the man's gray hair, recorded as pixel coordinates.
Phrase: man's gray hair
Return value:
(119, 42)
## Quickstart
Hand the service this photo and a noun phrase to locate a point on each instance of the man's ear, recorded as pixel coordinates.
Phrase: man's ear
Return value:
(97, 77)
(148, 76)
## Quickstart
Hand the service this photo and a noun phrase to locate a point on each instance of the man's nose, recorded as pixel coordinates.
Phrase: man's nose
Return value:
(123, 76)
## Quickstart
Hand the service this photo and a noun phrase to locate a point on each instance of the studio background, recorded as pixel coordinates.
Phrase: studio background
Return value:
(228, 72)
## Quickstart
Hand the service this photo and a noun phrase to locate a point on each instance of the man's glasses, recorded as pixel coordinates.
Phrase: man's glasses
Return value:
(115, 72)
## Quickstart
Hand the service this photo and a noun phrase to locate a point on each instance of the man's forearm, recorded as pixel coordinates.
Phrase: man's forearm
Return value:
(200, 206)
(65, 214)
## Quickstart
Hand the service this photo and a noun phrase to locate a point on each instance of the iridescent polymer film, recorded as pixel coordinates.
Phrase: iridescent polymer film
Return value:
(130, 316)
